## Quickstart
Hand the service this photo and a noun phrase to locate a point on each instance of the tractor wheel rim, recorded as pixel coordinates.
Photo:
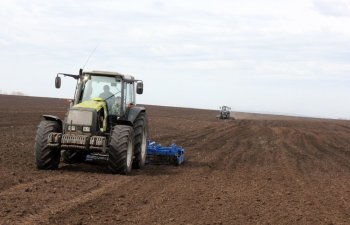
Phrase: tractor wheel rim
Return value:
(129, 154)
(143, 144)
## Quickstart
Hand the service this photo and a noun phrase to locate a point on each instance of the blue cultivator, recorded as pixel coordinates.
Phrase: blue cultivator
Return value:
(157, 154)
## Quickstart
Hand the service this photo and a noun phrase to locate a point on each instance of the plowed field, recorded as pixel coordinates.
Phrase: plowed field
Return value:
(257, 169)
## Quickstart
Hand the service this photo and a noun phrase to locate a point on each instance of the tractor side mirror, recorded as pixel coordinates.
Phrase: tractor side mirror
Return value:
(58, 82)
(139, 88)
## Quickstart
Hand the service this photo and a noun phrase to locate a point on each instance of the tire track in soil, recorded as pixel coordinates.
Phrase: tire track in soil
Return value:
(140, 195)
(67, 205)
(213, 136)
(226, 154)
(298, 159)
(332, 160)
(22, 186)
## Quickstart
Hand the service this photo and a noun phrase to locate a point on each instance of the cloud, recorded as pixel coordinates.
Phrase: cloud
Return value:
(336, 8)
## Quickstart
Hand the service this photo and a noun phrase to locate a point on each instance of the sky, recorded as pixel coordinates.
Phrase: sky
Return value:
(272, 56)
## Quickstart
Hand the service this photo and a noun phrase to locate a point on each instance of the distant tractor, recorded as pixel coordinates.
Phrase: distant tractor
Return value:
(224, 112)
(103, 123)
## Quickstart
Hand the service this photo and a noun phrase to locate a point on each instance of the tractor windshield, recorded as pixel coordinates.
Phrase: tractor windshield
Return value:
(225, 108)
(107, 88)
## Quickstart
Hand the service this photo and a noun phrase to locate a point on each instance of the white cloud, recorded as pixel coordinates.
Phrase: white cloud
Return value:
(333, 7)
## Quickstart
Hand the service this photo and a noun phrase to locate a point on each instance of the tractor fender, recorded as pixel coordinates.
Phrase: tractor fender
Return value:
(53, 118)
(134, 112)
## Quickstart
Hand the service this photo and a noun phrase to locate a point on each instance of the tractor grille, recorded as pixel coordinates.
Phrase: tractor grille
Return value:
(75, 141)
(79, 142)
(98, 143)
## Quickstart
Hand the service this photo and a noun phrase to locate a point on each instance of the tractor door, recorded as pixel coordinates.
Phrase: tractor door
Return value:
(129, 95)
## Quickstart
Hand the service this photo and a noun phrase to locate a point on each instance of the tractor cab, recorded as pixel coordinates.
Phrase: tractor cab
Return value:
(110, 94)
(225, 108)
(111, 87)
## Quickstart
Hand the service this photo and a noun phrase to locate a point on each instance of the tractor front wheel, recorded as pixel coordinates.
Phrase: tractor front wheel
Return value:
(121, 149)
(47, 158)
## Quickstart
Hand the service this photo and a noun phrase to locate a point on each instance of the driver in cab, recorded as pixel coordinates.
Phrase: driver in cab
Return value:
(108, 96)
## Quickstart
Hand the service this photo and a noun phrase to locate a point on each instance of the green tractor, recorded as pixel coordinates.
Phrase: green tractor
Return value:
(103, 123)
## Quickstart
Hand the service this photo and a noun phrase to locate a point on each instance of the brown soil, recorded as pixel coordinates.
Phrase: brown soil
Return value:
(262, 169)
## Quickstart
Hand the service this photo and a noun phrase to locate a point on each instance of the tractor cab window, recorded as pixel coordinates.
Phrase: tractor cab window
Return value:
(107, 88)
(129, 94)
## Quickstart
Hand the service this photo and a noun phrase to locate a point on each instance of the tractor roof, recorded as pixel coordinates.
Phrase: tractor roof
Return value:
(108, 73)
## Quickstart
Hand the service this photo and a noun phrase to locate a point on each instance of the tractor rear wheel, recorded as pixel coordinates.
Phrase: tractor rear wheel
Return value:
(47, 158)
(121, 149)
(140, 137)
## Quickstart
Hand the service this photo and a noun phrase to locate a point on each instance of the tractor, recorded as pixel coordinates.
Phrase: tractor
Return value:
(103, 123)
(224, 112)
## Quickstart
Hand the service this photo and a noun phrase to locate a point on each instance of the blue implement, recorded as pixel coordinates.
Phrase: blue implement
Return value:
(158, 154)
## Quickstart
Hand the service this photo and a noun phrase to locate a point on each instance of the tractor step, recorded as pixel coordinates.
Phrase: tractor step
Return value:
(158, 154)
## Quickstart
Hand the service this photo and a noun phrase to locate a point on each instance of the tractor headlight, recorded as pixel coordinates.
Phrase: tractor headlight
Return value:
(86, 129)
(71, 128)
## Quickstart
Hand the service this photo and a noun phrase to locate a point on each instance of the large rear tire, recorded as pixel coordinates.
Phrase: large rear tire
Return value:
(121, 149)
(140, 138)
(47, 158)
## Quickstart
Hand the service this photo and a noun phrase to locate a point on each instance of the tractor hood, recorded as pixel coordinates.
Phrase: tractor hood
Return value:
(91, 113)
(95, 103)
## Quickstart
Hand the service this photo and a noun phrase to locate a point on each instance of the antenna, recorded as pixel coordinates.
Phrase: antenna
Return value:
(93, 51)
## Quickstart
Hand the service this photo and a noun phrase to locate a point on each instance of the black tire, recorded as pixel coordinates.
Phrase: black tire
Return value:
(121, 149)
(140, 140)
(71, 157)
(46, 158)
